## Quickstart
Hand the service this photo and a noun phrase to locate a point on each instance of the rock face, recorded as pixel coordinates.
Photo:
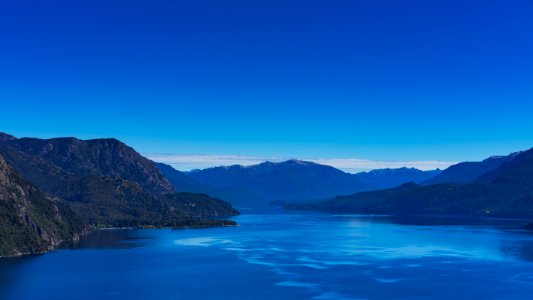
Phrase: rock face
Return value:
(29, 222)
(506, 191)
(107, 182)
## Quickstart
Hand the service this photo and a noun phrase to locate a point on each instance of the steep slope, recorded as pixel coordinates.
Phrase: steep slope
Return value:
(107, 182)
(68, 159)
(467, 172)
(289, 180)
(29, 222)
(506, 191)
(387, 178)
(184, 183)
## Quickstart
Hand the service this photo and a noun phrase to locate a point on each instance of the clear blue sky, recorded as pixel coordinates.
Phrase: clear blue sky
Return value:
(381, 80)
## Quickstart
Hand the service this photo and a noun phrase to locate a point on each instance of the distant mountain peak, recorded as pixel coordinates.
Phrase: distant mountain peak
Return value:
(294, 162)
(291, 161)
(269, 164)
(290, 179)
(297, 162)
(385, 170)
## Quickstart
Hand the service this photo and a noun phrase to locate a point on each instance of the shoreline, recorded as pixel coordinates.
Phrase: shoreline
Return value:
(164, 227)
(78, 237)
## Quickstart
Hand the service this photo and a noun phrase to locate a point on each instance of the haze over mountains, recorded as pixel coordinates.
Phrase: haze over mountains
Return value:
(498, 186)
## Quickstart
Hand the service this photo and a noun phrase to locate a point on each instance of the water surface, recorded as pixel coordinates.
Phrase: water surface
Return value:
(287, 256)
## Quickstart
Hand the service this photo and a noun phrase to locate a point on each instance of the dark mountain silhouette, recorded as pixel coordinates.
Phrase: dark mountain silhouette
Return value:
(467, 172)
(506, 191)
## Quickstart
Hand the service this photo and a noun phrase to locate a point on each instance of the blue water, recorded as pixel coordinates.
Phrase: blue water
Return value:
(287, 256)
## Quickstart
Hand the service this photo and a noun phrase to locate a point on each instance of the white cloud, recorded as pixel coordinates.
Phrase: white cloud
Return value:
(186, 162)
(357, 165)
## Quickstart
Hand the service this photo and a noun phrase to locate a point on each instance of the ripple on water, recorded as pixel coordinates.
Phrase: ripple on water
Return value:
(202, 241)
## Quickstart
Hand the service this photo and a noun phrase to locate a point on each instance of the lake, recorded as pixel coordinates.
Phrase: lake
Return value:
(287, 256)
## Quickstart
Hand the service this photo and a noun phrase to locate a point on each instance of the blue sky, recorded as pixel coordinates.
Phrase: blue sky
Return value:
(374, 80)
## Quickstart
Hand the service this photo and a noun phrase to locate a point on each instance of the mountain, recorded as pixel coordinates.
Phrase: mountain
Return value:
(29, 222)
(387, 178)
(506, 191)
(290, 180)
(180, 181)
(67, 159)
(467, 172)
(108, 183)
(184, 183)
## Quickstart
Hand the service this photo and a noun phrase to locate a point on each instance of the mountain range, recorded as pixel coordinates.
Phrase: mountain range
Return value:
(291, 180)
(496, 187)
(56, 190)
